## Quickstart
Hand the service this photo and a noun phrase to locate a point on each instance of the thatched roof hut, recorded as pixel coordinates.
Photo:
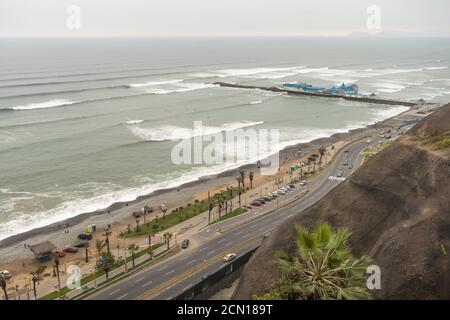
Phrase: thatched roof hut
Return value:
(43, 250)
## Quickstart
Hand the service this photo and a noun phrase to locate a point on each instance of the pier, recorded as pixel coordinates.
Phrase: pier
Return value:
(320, 94)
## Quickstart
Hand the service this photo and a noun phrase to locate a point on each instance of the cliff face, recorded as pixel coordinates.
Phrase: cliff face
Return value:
(397, 207)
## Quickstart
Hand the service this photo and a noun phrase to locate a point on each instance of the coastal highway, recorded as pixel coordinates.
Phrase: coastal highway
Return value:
(171, 276)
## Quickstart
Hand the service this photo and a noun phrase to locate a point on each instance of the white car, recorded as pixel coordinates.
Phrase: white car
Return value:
(229, 257)
(281, 192)
(303, 183)
(5, 274)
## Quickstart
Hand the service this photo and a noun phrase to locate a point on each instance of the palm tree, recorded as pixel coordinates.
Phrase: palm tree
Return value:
(251, 176)
(163, 208)
(3, 285)
(105, 263)
(36, 276)
(144, 212)
(240, 193)
(211, 206)
(57, 272)
(167, 236)
(133, 248)
(324, 268)
(322, 151)
(99, 245)
(239, 179)
(242, 173)
(137, 225)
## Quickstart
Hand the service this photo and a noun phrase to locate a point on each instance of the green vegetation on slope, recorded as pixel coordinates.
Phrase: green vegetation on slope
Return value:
(438, 141)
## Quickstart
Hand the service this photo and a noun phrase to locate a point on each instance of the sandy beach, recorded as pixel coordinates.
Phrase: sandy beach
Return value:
(18, 259)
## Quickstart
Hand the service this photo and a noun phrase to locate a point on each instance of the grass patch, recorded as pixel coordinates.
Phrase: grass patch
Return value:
(170, 220)
(179, 215)
(438, 141)
(235, 213)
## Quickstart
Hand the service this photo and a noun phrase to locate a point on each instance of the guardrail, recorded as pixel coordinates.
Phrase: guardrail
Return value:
(214, 282)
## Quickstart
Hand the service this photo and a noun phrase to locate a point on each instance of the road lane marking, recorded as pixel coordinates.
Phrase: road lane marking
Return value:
(229, 243)
(160, 269)
(155, 291)
(221, 240)
(122, 296)
(170, 272)
(245, 236)
(139, 280)
(114, 292)
(147, 284)
(190, 285)
(212, 251)
(192, 261)
(202, 249)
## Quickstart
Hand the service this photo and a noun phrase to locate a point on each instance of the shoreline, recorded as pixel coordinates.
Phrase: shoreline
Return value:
(113, 213)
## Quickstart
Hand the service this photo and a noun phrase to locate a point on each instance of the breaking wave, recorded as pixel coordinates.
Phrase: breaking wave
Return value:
(43, 105)
(168, 132)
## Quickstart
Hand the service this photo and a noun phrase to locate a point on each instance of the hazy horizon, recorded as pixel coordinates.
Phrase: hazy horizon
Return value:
(199, 18)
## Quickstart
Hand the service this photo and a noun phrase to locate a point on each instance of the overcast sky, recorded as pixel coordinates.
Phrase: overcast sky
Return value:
(48, 18)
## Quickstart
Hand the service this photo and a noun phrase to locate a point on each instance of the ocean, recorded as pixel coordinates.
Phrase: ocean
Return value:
(85, 123)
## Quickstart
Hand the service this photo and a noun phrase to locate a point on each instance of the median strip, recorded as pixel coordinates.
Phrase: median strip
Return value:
(201, 266)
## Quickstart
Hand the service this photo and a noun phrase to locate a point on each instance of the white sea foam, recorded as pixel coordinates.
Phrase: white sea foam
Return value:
(436, 68)
(168, 132)
(42, 105)
(389, 86)
(133, 121)
(178, 87)
(153, 83)
(256, 102)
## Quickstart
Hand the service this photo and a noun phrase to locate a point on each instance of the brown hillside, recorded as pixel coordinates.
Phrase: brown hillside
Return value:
(397, 206)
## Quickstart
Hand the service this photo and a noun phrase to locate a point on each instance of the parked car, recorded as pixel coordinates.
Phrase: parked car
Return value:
(261, 200)
(70, 250)
(291, 185)
(256, 203)
(350, 167)
(229, 257)
(274, 194)
(339, 174)
(267, 198)
(368, 141)
(346, 162)
(60, 253)
(5, 274)
(81, 244)
(281, 192)
(303, 183)
(347, 150)
(85, 236)
(185, 244)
